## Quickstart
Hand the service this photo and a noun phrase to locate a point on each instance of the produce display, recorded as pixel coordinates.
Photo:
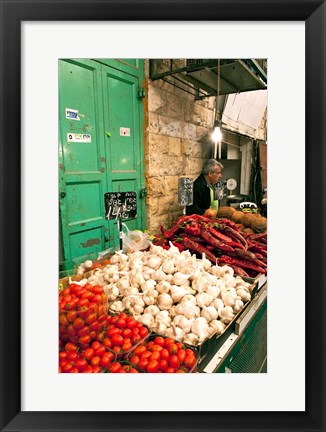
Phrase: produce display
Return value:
(172, 292)
(249, 222)
(220, 240)
(163, 355)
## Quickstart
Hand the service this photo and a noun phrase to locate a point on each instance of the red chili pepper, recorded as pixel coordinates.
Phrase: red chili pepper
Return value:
(178, 245)
(235, 235)
(224, 238)
(227, 222)
(200, 249)
(239, 271)
(192, 228)
(176, 227)
(241, 263)
(246, 255)
(214, 241)
(196, 239)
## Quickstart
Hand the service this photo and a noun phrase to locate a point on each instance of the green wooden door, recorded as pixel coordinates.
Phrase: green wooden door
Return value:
(98, 109)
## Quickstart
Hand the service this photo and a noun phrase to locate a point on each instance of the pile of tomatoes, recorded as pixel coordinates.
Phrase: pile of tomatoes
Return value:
(82, 313)
(163, 355)
(96, 359)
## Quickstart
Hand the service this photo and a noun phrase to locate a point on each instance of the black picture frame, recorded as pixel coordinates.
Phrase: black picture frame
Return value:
(313, 13)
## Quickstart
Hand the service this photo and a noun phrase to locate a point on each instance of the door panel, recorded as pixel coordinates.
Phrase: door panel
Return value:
(82, 176)
(124, 151)
(97, 156)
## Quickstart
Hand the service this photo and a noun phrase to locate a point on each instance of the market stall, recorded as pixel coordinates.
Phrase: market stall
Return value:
(194, 292)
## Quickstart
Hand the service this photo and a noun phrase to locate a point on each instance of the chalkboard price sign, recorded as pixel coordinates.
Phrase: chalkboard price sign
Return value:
(185, 191)
(120, 205)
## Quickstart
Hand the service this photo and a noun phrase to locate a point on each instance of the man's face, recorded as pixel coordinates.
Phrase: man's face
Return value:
(215, 176)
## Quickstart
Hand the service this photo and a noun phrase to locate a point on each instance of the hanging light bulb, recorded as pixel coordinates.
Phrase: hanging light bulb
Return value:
(217, 134)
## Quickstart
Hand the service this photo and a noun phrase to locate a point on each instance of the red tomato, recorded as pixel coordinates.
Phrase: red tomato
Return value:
(99, 351)
(133, 370)
(84, 340)
(88, 286)
(135, 339)
(96, 369)
(78, 323)
(123, 315)
(155, 356)
(126, 346)
(100, 336)
(91, 318)
(143, 363)
(95, 361)
(81, 364)
(180, 345)
(96, 345)
(110, 355)
(134, 360)
(174, 361)
(117, 349)
(74, 370)
(71, 347)
(180, 371)
(94, 326)
(143, 332)
(113, 330)
(139, 349)
(121, 323)
(97, 298)
(71, 331)
(88, 354)
(62, 355)
(87, 294)
(172, 348)
(71, 315)
(156, 347)
(163, 365)
(80, 292)
(164, 354)
(63, 319)
(131, 322)
(181, 355)
(72, 356)
(107, 342)
(190, 360)
(189, 351)
(105, 360)
(67, 367)
(169, 370)
(168, 341)
(126, 333)
(159, 340)
(89, 369)
(146, 354)
(152, 366)
(97, 289)
(117, 339)
(65, 291)
(83, 331)
(115, 367)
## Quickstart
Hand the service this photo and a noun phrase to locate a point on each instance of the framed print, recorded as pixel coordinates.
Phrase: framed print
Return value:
(34, 35)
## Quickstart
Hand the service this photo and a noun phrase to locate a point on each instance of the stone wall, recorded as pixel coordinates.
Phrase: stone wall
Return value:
(174, 124)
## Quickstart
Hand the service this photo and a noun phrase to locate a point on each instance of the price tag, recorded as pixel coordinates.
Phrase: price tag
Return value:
(185, 191)
(120, 205)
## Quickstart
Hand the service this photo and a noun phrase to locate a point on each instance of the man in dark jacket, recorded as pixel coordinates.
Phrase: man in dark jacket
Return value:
(204, 197)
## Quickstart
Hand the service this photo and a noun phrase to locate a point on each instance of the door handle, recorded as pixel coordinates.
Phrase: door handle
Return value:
(63, 194)
(143, 192)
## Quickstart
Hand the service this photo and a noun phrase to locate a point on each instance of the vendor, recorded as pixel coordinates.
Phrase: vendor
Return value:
(204, 193)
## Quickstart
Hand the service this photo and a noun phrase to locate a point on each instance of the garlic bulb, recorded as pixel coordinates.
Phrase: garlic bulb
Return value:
(209, 313)
(187, 308)
(116, 306)
(203, 299)
(183, 322)
(152, 309)
(148, 285)
(112, 292)
(191, 339)
(238, 305)
(177, 292)
(136, 277)
(150, 297)
(168, 266)
(158, 275)
(154, 262)
(244, 295)
(218, 304)
(159, 327)
(180, 278)
(200, 328)
(147, 319)
(217, 326)
(163, 317)
(227, 314)
(163, 287)
(227, 298)
(164, 301)
(213, 290)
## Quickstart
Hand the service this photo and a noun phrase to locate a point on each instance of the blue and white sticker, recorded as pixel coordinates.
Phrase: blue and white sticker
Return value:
(72, 114)
(74, 137)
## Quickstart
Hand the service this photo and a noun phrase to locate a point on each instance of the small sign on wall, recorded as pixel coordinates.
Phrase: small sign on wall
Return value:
(72, 114)
(185, 191)
(120, 205)
(124, 131)
(84, 138)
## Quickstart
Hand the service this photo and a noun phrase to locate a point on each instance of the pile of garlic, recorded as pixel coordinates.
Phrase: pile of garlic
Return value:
(173, 293)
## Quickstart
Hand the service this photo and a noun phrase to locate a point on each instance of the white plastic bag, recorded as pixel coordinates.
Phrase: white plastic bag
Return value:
(134, 240)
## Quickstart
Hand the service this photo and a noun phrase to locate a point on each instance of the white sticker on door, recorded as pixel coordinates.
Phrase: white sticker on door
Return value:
(124, 131)
(84, 138)
(72, 114)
